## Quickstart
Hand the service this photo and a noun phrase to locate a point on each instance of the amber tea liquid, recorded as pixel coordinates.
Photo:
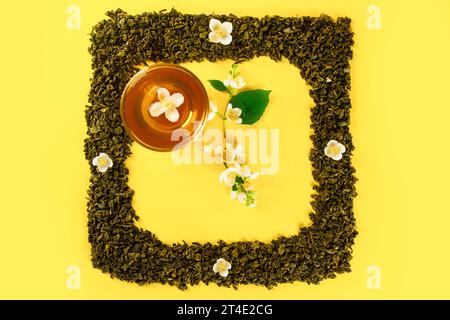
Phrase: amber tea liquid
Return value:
(156, 132)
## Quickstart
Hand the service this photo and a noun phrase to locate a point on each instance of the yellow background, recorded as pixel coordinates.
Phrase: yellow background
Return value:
(399, 122)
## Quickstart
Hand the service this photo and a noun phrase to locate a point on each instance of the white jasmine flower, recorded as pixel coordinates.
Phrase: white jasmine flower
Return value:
(222, 266)
(334, 150)
(212, 110)
(103, 162)
(167, 104)
(220, 32)
(234, 82)
(233, 114)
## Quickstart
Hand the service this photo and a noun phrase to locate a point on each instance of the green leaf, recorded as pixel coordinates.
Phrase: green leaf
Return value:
(239, 180)
(253, 103)
(218, 85)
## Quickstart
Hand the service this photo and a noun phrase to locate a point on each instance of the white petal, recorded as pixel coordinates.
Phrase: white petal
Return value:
(337, 157)
(212, 110)
(216, 267)
(343, 149)
(177, 99)
(102, 168)
(156, 109)
(254, 175)
(331, 142)
(222, 176)
(228, 265)
(214, 37)
(163, 94)
(95, 160)
(172, 114)
(238, 121)
(214, 24)
(227, 26)
(252, 205)
(231, 83)
(233, 194)
(226, 40)
(110, 163)
(211, 116)
(224, 273)
(220, 260)
(227, 83)
(229, 107)
(212, 106)
(229, 182)
(236, 111)
(241, 197)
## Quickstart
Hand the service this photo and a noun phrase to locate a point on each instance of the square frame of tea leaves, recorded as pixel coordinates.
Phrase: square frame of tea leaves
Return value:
(321, 49)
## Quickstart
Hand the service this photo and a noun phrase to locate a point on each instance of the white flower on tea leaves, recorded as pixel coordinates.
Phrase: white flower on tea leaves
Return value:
(167, 104)
(334, 150)
(212, 110)
(234, 82)
(222, 266)
(103, 162)
(233, 114)
(220, 32)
